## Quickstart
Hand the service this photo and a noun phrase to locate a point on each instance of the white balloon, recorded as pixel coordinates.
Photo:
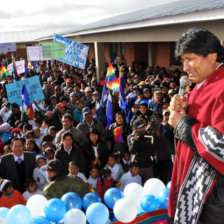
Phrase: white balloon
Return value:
(36, 205)
(75, 216)
(153, 186)
(125, 210)
(3, 221)
(135, 192)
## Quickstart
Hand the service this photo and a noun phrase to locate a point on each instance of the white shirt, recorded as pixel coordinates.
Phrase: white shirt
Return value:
(27, 194)
(127, 178)
(92, 181)
(114, 171)
(16, 157)
(81, 175)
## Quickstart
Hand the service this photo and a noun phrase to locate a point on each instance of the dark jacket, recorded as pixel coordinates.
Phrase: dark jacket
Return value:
(142, 149)
(56, 120)
(76, 155)
(61, 185)
(13, 118)
(9, 171)
(138, 114)
(102, 150)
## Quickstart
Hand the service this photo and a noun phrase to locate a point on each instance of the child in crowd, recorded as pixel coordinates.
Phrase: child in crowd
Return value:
(94, 174)
(44, 145)
(105, 182)
(37, 136)
(132, 176)
(125, 162)
(29, 135)
(39, 173)
(49, 153)
(116, 168)
(52, 131)
(31, 189)
(74, 170)
(7, 149)
(9, 196)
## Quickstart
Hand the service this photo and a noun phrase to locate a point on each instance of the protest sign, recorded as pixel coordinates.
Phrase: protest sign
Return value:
(35, 54)
(8, 47)
(33, 86)
(20, 66)
(75, 53)
(53, 50)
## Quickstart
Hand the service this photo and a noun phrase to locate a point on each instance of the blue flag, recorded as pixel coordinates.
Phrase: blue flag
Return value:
(109, 110)
(25, 96)
(104, 96)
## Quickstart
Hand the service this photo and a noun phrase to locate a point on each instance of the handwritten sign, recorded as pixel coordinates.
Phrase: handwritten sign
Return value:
(33, 86)
(53, 50)
(8, 47)
(20, 66)
(75, 53)
(34, 53)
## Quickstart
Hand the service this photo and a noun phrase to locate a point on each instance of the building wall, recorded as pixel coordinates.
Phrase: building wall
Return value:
(161, 54)
(129, 54)
(107, 51)
(91, 53)
(141, 53)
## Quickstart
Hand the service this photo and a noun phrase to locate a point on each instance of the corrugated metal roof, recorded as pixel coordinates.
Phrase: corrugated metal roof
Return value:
(170, 9)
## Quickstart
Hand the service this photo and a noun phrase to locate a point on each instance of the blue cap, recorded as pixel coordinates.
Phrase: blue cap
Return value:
(136, 87)
(86, 110)
(146, 90)
(74, 94)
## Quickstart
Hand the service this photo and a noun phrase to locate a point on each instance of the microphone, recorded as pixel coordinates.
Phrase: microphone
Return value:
(184, 81)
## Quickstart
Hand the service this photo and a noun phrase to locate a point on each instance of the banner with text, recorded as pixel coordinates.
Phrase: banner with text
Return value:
(8, 47)
(35, 54)
(20, 66)
(53, 50)
(75, 53)
(33, 86)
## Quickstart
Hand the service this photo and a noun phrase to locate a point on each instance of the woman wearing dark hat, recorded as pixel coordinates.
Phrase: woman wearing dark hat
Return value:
(95, 150)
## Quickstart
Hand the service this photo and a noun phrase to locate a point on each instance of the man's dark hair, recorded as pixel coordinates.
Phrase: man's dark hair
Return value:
(201, 42)
(68, 116)
(22, 140)
(67, 134)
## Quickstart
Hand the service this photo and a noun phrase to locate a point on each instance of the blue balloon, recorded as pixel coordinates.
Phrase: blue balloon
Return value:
(89, 199)
(163, 198)
(72, 200)
(3, 212)
(19, 214)
(148, 203)
(97, 213)
(111, 196)
(55, 209)
(168, 184)
(40, 220)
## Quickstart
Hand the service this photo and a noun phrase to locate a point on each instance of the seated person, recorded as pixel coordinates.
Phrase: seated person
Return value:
(31, 189)
(94, 174)
(61, 184)
(132, 176)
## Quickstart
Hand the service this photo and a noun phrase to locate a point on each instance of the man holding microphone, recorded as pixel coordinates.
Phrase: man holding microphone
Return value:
(197, 186)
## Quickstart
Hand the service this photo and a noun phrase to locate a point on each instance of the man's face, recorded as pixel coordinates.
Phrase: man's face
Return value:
(66, 123)
(199, 67)
(18, 148)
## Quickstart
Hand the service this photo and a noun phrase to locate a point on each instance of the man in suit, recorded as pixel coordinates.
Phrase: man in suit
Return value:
(17, 166)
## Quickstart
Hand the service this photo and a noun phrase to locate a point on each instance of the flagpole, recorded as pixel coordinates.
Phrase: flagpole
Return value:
(22, 112)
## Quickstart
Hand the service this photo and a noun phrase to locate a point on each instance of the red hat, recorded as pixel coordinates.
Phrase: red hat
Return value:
(16, 131)
(63, 104)
(69, 80)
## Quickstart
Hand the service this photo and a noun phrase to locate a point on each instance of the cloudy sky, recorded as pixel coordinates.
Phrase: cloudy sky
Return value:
(40, 14)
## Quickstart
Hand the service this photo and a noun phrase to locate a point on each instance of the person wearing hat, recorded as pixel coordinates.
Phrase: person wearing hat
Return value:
(142, 85)
(88, 96)
(171, 93)
(141, 147)
(15, 115)
(156, 104)
(17, 166)
(67, 125)
(147, 93)
(89, 122)
(6, 133)
(57, 92)
(77, 89)
(73, 97)
(61, 184)
(5, 111)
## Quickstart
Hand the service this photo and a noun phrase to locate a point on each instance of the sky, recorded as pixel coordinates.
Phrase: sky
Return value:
(21, 15)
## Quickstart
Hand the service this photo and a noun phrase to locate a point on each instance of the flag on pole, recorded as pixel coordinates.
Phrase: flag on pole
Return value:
(111, 80)
(122, 97)
(4, 73)
(27, 106)
(104, 96)
(16, 74)
(109, 110)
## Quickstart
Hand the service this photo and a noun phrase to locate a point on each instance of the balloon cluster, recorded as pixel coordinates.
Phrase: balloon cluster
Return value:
(125, 205)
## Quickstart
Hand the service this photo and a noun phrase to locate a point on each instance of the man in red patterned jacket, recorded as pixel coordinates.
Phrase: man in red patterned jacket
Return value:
(197, 189)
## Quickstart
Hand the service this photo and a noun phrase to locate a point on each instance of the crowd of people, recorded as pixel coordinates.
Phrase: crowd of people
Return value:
(67, 145)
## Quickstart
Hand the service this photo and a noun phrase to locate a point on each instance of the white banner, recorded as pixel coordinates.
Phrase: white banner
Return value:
(20, 66)
(8, 47)
(35, 54)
